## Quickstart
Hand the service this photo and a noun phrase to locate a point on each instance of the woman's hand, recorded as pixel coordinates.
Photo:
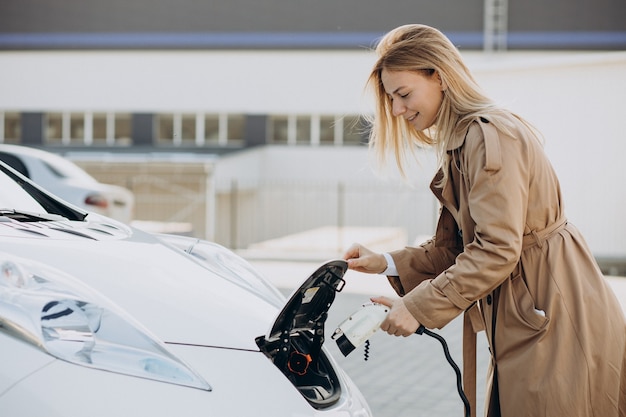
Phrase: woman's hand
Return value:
(399, 321)
(362, 259)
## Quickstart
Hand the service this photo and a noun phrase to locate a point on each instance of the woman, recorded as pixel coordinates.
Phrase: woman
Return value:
(503, 252)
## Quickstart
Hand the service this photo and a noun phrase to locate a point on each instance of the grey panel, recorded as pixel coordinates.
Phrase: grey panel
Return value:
(143, 129)
(32, 128)
(256, 130)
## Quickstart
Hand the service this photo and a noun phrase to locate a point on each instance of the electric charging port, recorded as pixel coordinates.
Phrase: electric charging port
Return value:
(312, 375)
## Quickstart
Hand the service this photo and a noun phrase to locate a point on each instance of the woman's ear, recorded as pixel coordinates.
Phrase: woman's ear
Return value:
(442, 83)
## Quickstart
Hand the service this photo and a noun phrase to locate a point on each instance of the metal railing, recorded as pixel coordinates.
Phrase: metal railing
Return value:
(184, 198)
(252, 213)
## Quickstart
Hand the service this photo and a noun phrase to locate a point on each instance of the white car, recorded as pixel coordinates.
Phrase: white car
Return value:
(100, 319)
(67, 180)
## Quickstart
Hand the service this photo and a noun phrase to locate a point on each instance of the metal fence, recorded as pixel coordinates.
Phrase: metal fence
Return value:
(184, 198)
(250, 213)
(169, 196)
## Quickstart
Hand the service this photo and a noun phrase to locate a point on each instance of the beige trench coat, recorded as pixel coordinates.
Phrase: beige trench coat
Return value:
(504, 252)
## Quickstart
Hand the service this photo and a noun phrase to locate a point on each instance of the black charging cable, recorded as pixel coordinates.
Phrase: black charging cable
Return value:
(459, 381)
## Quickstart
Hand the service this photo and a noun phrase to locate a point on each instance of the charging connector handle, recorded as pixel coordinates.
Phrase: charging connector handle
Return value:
(357, 328)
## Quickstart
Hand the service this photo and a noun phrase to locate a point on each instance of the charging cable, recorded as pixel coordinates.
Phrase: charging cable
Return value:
(459, 382)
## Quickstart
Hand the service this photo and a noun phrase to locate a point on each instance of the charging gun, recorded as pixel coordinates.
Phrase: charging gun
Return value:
(359, 327)
(363, 323)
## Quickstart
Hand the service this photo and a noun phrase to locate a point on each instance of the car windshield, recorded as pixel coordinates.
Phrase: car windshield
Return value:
(14, 197)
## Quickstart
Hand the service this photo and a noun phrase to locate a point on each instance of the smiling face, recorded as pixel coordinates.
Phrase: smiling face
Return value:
(415, 96)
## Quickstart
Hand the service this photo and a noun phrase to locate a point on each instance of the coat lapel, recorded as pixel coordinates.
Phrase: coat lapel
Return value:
(447, 227)
(448, 195)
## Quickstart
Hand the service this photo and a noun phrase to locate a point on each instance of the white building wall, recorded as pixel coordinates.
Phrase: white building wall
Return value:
(575, 99)
(212, 81)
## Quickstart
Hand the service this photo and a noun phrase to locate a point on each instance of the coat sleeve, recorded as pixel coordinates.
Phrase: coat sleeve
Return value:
(418, 264)
(497, 197)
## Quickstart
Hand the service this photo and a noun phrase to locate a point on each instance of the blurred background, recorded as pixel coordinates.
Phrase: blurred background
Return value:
(239, 121)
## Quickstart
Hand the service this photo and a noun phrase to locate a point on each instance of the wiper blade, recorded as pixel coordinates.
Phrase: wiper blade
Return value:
(26, 216)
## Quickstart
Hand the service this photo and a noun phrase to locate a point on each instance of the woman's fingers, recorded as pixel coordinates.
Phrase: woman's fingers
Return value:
(362, 259)
(399, 320)
(386, 301)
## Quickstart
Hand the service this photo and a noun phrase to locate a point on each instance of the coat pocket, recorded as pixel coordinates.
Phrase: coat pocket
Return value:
(519, 323)
(522, 310)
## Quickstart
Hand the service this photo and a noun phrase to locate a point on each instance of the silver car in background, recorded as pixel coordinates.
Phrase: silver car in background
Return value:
(67, 180)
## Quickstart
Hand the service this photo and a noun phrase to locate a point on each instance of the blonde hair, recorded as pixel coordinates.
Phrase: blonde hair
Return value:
(426, 50)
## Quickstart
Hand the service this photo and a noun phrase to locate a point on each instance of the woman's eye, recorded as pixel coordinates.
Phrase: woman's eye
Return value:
(404, 95)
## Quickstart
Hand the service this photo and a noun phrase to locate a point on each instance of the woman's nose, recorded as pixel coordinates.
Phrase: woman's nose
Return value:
(397, 108)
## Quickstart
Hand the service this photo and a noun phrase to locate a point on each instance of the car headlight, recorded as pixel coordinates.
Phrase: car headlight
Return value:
(75, 323)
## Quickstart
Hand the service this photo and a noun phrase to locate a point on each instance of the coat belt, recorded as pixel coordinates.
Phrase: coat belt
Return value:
(536, 238)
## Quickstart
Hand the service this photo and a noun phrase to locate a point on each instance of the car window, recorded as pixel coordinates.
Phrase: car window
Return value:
(15, 163)
(56, 172)
(14, 197)
(64, 168)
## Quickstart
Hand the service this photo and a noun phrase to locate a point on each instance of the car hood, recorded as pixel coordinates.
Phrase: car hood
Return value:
(172, 294)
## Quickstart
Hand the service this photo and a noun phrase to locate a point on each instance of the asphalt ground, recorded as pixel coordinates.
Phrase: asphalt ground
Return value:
(403, 377)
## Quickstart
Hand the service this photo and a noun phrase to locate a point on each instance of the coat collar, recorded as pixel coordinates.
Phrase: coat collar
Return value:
(456, 141)
(449, 194)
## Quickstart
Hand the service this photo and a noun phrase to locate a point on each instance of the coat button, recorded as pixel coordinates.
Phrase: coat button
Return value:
(489, 299)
